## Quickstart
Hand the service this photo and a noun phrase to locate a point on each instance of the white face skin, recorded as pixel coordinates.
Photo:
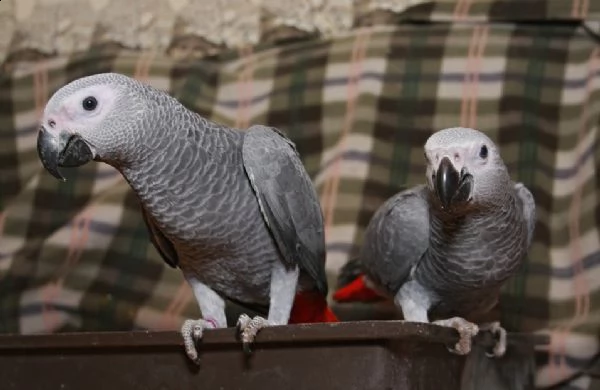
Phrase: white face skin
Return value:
(472, 151)
(80, 112)
(106, 117)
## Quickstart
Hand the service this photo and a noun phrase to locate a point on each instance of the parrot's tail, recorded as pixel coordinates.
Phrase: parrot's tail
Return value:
(350, 271)
(310, 307)
(357, 291)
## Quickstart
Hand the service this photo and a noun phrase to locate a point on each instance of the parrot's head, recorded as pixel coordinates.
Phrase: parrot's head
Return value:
(464, 168)
(91, 118)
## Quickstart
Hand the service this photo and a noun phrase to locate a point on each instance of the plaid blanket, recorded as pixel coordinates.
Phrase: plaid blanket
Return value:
(76, 255)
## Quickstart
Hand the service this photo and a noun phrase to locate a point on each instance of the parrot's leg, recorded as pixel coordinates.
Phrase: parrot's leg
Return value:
(414, 301)
(498, 331)
(212, 307)
(467, 330)
(283, 291)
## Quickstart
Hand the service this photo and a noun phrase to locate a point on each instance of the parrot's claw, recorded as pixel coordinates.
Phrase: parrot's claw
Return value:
(467, 330)
(192, 331)
(498, 331)
(248, 329)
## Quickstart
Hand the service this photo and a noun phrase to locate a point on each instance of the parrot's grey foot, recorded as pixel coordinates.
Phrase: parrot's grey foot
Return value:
(500, 333)
(248, 329)
(192, 331)
(467, 330)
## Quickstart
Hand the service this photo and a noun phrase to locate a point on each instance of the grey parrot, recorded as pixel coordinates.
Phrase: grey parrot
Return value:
(234, 210)
(444, 249)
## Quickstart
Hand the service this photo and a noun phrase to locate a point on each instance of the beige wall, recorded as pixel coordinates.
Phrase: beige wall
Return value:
(54, 27)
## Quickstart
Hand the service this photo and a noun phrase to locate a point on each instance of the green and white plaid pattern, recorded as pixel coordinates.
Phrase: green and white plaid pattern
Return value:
(76, 255)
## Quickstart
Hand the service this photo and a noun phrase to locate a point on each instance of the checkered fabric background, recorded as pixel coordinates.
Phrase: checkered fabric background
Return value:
(76, 255)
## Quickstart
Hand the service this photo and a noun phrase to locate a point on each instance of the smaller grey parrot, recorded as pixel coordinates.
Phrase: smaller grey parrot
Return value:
(234, 209)
(444, 249)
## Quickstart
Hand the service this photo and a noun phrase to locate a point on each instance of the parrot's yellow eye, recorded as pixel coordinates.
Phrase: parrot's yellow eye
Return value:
(90, 103)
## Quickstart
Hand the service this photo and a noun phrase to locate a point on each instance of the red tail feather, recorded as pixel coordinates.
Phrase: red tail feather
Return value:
(356, 291)
(310, 307)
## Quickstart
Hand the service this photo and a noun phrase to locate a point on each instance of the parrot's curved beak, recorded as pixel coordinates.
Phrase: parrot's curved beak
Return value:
(62, 150)
(452, 187)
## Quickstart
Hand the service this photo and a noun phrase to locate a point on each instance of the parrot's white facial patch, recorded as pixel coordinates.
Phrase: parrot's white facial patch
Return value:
(468, 155)
(81, 110)
(463, 146)
(470, 151)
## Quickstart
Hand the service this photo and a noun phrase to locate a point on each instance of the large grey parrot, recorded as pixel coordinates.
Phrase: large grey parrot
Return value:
(444, 249)
(234, 210)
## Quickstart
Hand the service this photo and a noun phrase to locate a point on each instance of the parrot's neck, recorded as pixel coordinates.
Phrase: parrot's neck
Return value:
(182, 134)
(484, 245)
(177, 169)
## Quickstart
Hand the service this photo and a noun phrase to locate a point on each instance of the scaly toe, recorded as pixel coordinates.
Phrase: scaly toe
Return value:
(466, 330)
(500, 348)
(192, 331)
(242, 323)
(249, 329)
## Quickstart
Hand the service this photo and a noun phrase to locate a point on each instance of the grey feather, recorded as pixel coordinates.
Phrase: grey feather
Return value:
(396, 238)
(528, 206)
(287, 200)
(162, 244)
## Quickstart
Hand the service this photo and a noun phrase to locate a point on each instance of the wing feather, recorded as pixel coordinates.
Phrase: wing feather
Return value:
(287, 199)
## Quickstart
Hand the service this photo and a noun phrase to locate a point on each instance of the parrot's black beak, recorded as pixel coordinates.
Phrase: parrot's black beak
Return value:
(452, 187)
(62, 150)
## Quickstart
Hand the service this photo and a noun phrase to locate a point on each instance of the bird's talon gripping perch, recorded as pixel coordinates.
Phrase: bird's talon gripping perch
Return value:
(192, 331)
(248, 328)
(242, 323)
(467, 330)
(500, 348)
